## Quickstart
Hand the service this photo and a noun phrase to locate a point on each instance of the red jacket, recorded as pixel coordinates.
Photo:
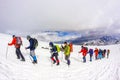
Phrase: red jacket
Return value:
(14, 42)
(96, 52)
(83, 51)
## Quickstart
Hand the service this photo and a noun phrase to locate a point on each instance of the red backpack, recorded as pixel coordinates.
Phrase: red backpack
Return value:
(18, 40)
(71, 47)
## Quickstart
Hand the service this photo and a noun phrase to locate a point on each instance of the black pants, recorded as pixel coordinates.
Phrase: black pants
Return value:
(55, 55)
(19, 54)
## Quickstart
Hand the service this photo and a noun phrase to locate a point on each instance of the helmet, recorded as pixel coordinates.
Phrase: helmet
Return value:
(51, 44)
(28, 37)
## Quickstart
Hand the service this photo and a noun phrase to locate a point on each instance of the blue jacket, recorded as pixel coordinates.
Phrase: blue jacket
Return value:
(100, 52)
(90, 51)
(53, 49)
(31, 46)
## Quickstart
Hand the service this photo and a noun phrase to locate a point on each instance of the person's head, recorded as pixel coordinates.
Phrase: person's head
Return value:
(51, 44)
(13, 36)
(65, 43)
(28, 37)
(82, 46)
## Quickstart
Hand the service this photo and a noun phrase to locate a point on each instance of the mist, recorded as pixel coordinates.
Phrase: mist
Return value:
(76, 15)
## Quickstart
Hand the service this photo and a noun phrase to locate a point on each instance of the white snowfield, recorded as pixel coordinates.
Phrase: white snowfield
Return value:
(13, 69)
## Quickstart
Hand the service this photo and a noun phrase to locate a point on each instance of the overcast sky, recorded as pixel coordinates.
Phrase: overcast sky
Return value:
(37, 15)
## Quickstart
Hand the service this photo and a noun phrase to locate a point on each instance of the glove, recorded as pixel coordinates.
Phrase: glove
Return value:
(50, 51)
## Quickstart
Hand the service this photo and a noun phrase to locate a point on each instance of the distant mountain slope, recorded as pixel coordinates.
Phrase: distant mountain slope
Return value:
(88, 37)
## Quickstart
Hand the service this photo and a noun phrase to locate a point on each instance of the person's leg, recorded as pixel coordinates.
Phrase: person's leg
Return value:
(52, 58)
(20, 54)
(32, 53)
(100, 56)
(90, 57)
(96, 57)
(56, 57)
(17, 53)
(68, 60)
(84, 59)
(107, 55)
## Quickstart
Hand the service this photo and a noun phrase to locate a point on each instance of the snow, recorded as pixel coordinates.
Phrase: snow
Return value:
(13, 69)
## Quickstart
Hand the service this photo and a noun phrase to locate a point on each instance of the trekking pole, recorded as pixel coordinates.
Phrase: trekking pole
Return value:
(29, 55)
(62, 56)
(6, 52)
(51, 60)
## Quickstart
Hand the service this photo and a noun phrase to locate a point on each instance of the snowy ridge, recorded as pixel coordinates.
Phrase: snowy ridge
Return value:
(13, 69)
(79, 38)
(56, 36)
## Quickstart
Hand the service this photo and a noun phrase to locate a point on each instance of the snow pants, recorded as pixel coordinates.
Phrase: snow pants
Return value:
(19, 54)
(100, 56)
(91, 57)
(84, 59)
(67, 58)
(32, 54)
(56, 58)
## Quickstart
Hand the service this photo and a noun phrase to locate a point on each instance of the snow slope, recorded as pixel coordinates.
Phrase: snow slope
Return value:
(13, 69)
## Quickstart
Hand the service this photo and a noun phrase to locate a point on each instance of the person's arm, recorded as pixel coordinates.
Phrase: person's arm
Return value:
(81, 51)
(13, 42)
(31, 44)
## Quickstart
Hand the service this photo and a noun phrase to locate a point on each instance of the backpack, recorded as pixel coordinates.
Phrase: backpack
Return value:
(58, 48)
(18, 40)
(86, 48)
(71, 47)
(91, 51)
(35, 43)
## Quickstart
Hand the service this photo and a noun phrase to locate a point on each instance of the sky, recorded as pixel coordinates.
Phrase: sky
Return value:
(38, 15)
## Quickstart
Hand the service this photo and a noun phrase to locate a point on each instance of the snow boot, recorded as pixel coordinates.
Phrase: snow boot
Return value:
(58, 64)
(35, 61)
(54, 61)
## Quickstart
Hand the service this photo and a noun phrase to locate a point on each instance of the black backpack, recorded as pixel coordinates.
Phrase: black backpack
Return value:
(35, 43)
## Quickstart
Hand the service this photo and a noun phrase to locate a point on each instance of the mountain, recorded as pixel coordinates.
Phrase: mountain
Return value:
(88, 37)
(79, 38)
(56, 36)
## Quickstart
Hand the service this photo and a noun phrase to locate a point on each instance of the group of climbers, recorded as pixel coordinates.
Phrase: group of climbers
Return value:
(17, 42)
(67, 48)
(99, 53)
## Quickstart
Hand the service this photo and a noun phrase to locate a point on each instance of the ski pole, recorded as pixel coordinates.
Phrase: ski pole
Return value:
(62, 56)
(51, 60)
(29, 55)
(6, 52)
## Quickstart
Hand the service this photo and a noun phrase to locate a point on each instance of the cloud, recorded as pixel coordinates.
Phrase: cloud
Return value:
(37, 15)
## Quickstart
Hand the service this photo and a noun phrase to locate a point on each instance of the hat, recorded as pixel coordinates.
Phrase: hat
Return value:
(65, 42)
(28, 37)
(13, 36)
(51, 44)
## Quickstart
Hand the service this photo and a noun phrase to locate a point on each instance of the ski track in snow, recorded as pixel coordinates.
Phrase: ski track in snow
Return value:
(13, 69)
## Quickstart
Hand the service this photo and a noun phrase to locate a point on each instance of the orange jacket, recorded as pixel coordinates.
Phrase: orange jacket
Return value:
(14, 43)
(96, 52)
(84, 51)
